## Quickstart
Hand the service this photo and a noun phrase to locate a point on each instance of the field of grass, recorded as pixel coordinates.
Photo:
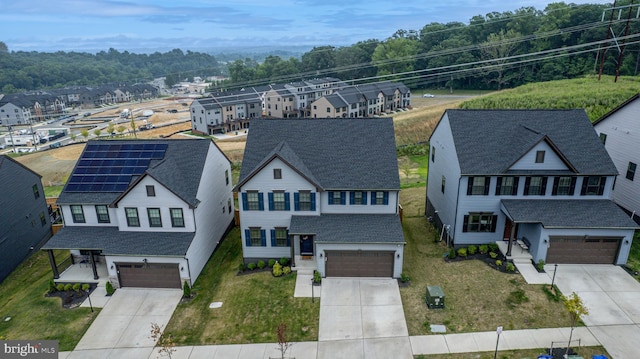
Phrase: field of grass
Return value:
(416, 125)
(477, 297)
(596, 97)
(634, 254)
(413, 170)
(253, 305)
(585, 352)
(34, 316)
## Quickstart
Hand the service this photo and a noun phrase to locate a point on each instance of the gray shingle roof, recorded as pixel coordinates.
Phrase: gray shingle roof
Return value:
(180, 171)
(596, 213)
(350, 228)
(489, 141)
(114, 242)
(338, 153)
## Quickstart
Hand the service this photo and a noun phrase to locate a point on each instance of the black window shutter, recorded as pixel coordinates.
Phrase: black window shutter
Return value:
(498, 185)
(469, 185)
(527, 182)
(543, 187)
(603, 182)
(554, 191)
(487, 182)
(585, 181)
(494, 222)
(572, 190)
(514, 191)
(465, 223)
(247, 237)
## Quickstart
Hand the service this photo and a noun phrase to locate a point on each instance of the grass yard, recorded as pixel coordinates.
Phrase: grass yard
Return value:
(34, 316)
(585, 352)
(413, 171)
(634, 254)
(477, 297)
(253, 305)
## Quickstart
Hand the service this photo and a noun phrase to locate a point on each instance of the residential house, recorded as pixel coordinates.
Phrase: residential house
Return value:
(26, 223)
(149, 213)
(323, 192)
(619, 130)
(14, 113)
(280, 102)
(540, 178)
(225, 111)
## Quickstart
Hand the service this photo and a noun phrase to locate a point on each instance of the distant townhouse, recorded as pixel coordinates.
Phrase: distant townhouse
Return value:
(280, 102)
(225, 111)
(363, 100)
(14, 111)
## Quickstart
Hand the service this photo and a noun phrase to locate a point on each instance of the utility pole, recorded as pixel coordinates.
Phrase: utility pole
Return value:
(611, 34)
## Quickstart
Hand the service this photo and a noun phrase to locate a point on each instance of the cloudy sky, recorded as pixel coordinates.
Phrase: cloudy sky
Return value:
(149, 25)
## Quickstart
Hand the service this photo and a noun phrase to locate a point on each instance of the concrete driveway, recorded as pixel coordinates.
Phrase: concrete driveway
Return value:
(611, 296)
(362, 318)
(123, 327)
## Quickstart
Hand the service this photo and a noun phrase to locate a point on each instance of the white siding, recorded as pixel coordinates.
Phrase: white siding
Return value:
(623, 136)
(200, 123)
(90, 216)
(551, 159)
(395, 247)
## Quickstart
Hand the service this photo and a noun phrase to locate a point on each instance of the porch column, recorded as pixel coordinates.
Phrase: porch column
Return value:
(54, 266)
(511, 236)
(93, 265)
(293, 257)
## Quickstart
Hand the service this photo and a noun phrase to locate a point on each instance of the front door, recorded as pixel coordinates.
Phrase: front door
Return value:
(306, 245)
(507, 230)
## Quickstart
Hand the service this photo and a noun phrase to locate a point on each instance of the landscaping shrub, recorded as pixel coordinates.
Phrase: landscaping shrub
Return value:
(498, 262)
(493, 247)
(493, 255)
(540, 265)
(109, 288)
(462, 252)
(60, 287)
(510, 267)
(452, 253)
(186, 290)
(241, 267)
(52, 286)
(286, 270)
(277, 270)
(261, 264)
(271, 263)
(317, 278)
(76, 287)
(404, 278)
(68, 286)
(251, 266)
(284, 261)
(484, 249)
(85, 287)
(472, 250)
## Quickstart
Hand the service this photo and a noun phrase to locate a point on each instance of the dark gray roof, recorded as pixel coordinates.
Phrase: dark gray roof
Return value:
(490, 141)
(180, 171)
(595, 213)
(111, 241)
(350, 228)
(336, 100)
(338, 153)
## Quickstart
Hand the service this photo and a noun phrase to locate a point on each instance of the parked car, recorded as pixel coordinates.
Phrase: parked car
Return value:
(428, 95)
(55, 145)
(173, 110)
(87, 114)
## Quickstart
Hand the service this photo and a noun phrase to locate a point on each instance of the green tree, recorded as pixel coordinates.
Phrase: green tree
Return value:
(132, 124)
(576, 309)
(120, 129)
(73, 137)
(319, 60)
(84, 133)
(396, 55)
(497, 50)
(3, 47)
(110, 128)
(97, 132)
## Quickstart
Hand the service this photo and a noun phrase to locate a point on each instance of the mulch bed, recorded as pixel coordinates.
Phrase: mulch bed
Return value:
(72, 299)
(486, 258)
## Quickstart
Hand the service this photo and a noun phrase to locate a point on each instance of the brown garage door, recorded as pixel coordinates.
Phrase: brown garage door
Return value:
(581, 250)
(149, 275)
(359, 264)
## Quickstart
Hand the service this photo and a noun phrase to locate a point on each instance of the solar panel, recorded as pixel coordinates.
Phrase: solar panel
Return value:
(109, 167)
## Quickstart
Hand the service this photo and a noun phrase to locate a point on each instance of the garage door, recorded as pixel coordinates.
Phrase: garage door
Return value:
(581, 250)
(359, 264)
(149, 275)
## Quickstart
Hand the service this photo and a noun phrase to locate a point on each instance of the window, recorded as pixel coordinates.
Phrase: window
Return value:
(102, 213)
(631, 171)
(277, 173)
(478, 186)
(226, 176)
(229, 205)
(43, 219)
(151, 191)
(132, 217)
(177, 219)
(507, 186)
(154, 217)
(305, 201)
(252, 201)
(535, 186)
(328, 109)
(539, 156)
(593, 185)
(279, 201)
(433, 153)
(77, 213)
(380, 198)
(255, 237)
(479, 222)
(603, 138)
(563, 186)
(36, 192)
(358, 197)
(337, 197)
(444, 181)
(279, 237)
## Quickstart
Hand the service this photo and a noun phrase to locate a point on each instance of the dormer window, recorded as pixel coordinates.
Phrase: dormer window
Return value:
(539, 156)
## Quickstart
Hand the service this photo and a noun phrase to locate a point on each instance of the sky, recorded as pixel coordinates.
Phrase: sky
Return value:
(202, 25)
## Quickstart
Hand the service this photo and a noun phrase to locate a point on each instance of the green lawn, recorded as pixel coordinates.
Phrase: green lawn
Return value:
(253, 305)
(34, 316)
(416, 167)
(52, 191)
(634, 254)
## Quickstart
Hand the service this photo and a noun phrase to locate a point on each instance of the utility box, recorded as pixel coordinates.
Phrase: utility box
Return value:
(435, 297)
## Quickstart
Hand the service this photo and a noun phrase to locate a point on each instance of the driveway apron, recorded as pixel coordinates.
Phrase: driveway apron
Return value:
(362, 318)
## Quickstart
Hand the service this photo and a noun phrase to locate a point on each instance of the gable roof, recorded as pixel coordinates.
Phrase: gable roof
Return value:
(5, 164)
(336, 153)
(179, 171)
(350, 228)
(488, 142)
(633, 98)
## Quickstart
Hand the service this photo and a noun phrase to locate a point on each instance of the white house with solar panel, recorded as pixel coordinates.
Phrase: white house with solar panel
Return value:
(144, 213)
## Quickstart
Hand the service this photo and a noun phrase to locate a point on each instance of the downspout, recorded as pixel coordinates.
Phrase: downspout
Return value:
(455, 216)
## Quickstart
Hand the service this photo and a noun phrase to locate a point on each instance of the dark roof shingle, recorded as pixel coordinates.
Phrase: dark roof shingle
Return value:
(350, 228)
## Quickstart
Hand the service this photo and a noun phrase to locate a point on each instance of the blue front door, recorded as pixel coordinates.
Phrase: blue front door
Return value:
(306, 245)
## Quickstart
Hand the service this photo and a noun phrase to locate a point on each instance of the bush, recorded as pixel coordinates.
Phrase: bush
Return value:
(452, 253)
(540, 265)
(484, 249)
(186, 290)
(76, 287)
(60, 287)
(277, 270)
(109, 288)
(241, 267)
(493, 247)
(52, 286)
(68, 287)
(404, 278)
(261, 264)
(85, 287)
(271, 263)
(472, 250)
(510, 267)
(317, 278)
(286, 270)
(251, 266)
(498, 262)
(493, 255)
(284, 261)
(462, 252)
